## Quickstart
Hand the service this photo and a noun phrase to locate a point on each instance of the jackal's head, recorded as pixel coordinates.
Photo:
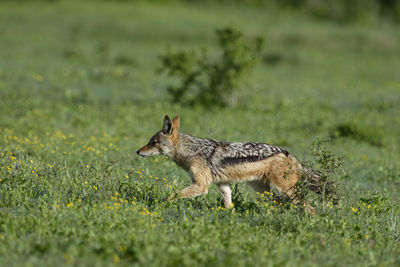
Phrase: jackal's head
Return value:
(164, 141)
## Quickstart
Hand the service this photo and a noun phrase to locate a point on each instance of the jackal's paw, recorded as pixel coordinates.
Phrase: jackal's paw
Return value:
(230, 207)
(310, 209)
(172, 196)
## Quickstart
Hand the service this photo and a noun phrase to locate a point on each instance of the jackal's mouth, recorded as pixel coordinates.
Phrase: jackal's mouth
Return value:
(140, 153)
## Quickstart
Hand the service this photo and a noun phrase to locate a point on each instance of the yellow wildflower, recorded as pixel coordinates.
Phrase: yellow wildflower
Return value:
(116, 258)
(38, 78)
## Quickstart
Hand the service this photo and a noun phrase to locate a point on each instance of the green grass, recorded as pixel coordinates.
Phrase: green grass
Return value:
(79, 95)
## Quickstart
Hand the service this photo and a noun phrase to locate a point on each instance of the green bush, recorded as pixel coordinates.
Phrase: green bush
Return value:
(208, 82)
(318, 174)
(359, 132)
(358, 11)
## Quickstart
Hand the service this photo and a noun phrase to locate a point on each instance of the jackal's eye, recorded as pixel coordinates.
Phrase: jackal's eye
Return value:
(154, 142)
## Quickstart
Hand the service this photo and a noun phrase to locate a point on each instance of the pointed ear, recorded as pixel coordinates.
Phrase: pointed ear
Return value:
(175, 122)
(167, 126)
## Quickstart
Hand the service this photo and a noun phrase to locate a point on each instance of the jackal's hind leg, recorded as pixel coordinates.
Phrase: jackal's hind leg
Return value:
(296, 201)
(226, 193)
(260, 186)
(290, 190)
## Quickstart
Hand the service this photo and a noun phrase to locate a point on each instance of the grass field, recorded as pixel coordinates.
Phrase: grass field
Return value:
(79, 95)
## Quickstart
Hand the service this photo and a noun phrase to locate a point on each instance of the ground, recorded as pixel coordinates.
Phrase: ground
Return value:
(79, 94)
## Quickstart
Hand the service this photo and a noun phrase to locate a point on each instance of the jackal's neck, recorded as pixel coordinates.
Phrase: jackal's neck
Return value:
(186, 148)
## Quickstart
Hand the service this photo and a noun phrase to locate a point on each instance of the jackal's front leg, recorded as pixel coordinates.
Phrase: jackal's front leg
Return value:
(201, 180)
(193, 191)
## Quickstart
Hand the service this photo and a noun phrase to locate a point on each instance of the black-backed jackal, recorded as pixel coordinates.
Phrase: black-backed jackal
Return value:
(219, 162)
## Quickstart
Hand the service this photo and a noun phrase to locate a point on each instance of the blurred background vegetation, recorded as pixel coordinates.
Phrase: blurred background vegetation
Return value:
(342, 11)
(81, 90)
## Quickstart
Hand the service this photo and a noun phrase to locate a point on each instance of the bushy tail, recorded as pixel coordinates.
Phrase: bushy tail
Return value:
(319, 183)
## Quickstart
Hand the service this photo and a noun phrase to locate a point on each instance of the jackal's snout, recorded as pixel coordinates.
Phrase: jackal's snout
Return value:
(141, 153)
(148, 150)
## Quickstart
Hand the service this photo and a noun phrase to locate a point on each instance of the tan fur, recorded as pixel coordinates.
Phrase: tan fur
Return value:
(271, 170)
(280, 170)
(175, 133)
